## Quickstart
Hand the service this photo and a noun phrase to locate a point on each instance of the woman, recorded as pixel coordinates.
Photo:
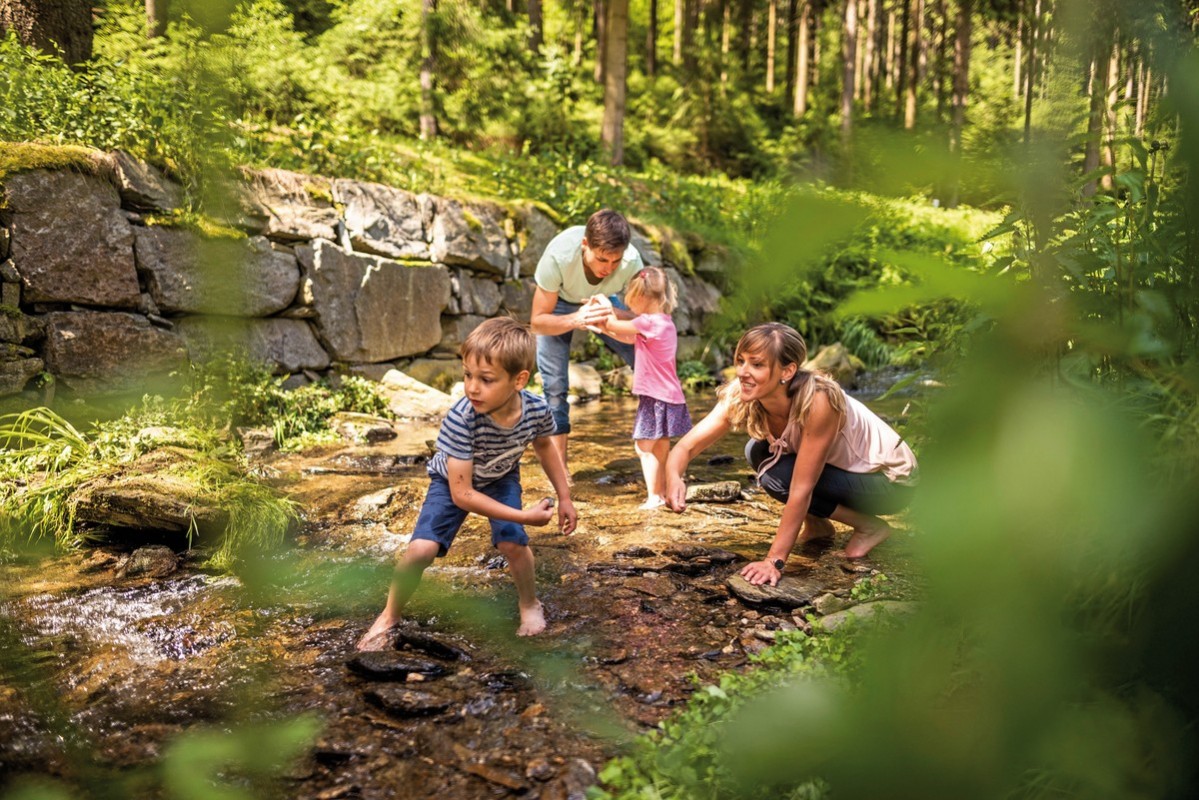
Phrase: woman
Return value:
(815, 449)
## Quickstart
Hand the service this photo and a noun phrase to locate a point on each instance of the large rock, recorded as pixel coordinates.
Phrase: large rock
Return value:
(15, 373)
(534, 230)
(454, 331)
(147, 500)
(517, 298)
(95, 351)
(641, 241)
(16, 327)
(190, 275)
(882, 609)
(472, 235)
(370, 308)
(836, 361)
(289, 345)
(440, 373)
(474, 295)
(719, 492)
(410, 399)
(585, 380)
(791, 592)
(71, 242)
(143, 187)
(385, 221)
(702, 301)
(290, 206)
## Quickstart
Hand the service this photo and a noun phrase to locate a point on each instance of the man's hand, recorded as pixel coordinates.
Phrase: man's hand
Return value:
(595, 312)
(759, 572)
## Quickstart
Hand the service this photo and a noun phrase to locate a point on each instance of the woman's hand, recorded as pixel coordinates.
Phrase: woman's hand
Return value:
(759, 572)
(676, 494)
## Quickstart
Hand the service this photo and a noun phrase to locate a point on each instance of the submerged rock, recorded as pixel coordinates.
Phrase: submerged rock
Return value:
(400, 701)
(152, 561)
(790, 592)
(390, 666)
(721, 492)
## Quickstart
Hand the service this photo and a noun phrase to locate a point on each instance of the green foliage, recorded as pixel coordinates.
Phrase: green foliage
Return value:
(239, 392)
(695, 375)
(682, 758)
(44, 460)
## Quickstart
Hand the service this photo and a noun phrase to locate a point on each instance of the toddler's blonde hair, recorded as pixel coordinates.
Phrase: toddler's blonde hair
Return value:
(653, 284)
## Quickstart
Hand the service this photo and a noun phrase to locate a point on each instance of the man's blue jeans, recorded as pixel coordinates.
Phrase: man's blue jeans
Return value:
(553, 362)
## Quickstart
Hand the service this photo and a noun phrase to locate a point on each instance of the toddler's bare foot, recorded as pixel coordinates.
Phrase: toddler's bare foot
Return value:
(864, 539)
(378, 636)
(816, 528)
(653, 502)
(532, 620)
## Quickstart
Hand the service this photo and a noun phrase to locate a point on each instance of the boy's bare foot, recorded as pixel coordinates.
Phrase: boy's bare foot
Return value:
(532, 620)
(816, 528)
(864, 539)
(378, 636)
(652, 503)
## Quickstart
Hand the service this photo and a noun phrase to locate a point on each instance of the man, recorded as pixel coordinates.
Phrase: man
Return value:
(583, 269)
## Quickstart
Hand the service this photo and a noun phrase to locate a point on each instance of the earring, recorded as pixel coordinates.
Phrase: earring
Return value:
(784, 380)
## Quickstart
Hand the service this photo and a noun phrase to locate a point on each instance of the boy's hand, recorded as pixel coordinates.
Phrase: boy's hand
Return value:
(541, 513)
(568, 518)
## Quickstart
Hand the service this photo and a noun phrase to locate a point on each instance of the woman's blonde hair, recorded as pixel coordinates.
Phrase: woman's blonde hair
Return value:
(653, 284)
(782, 345)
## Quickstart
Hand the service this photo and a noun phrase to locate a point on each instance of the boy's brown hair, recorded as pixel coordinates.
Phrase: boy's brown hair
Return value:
(502, 342)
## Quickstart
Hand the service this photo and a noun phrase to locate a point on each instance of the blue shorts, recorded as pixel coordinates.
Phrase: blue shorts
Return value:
(440, 519)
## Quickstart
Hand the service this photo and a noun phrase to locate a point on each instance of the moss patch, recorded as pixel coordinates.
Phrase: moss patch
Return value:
(198, 223)
(18, 157)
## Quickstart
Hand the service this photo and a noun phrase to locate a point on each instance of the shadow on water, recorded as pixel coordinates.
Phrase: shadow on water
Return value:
(636, 604)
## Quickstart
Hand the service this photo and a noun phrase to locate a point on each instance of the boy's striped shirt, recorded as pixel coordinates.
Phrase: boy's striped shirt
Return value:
(470, 436)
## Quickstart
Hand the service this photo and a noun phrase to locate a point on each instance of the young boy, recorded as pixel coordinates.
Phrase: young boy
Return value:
(477, 468)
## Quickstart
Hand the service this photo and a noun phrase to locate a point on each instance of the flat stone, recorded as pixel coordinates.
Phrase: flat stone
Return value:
(791, 592)
(290, 206)
(362, 428)
(289, 345)
(384, 665)
(656, 586)
(383, 220)
(721, 492)
(431, 646)
(403, 702)
(95, 351)
(142, 186)
(15, 374)
(470, 235)
(411, 399)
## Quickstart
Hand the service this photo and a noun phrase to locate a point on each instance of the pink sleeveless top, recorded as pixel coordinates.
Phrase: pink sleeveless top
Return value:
(864, 444)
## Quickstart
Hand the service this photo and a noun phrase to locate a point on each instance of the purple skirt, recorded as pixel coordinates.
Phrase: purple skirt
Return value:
(657, 419)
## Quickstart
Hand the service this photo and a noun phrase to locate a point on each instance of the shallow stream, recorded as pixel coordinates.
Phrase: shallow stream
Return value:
(102, 673)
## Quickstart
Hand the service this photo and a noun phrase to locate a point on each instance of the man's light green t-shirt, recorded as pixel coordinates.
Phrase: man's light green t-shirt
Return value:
(560, 269)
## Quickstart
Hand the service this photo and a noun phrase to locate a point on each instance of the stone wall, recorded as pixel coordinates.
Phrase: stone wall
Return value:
(313, 274)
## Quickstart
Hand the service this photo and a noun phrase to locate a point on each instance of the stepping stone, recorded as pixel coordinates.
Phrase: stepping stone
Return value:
(385, 666)
(400, 701)
(790, 593)
(694, 552)
(431, 646)
(636, 551)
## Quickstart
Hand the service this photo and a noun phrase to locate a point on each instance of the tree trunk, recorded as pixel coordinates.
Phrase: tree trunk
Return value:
(961, 89)
(889, 57)
(901, 67)
(800, 106)
(772, 29)
(1030, 72)
(156, 18)
(725, 24)
(616, 56)
(1017, 87)
(745, 20)
(1143, 97)
(690, 26)
(868, 62)
(942, 50)
(849, 58)
(680, 14)
(916, 53)
(536, 25)
(428, 71)
(1110, 95)
(651, 41)
(57, 27)
(792, 40)
(600, 12)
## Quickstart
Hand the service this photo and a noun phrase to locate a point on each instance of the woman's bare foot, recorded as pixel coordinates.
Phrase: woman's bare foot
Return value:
(653, 502)
(865, 538)
(378, 636)
(532, 620)
(816, 528)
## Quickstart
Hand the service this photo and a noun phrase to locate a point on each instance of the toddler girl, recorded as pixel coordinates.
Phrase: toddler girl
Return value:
(661, 408)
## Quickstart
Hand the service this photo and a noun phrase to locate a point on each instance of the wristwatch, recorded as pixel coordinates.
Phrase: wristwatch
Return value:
(777, 563)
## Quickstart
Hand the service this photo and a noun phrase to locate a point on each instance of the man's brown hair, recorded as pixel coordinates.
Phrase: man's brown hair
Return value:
(502, 342)
(607, 231)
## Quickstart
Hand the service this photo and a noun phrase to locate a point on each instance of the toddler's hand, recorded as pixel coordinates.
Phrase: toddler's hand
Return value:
(541, 513)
